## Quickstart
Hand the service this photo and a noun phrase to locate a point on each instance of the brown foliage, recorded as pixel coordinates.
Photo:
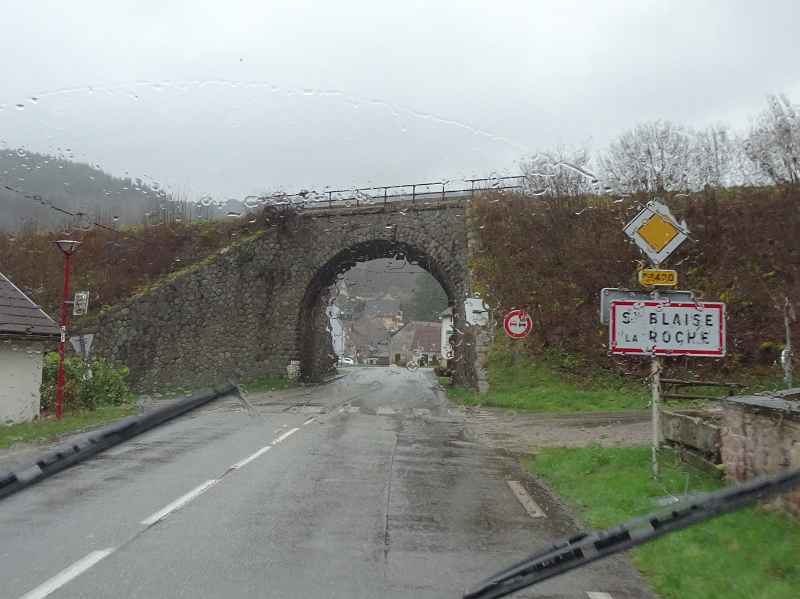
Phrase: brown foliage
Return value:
(553, 256)
(113, 264)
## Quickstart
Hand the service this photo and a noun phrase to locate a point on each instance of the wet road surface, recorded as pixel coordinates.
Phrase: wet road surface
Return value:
(369, 486)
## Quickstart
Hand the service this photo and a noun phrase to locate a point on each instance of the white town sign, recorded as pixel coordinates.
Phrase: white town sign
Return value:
(661, 328)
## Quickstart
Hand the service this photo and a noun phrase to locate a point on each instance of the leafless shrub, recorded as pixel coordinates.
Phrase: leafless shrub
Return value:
(773, 144)
(560, 174)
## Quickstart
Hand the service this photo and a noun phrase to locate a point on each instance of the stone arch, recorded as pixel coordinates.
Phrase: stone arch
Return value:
(257, 305)
(314, 341)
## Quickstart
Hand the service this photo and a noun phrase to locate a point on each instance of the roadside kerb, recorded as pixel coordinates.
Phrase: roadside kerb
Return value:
(70, 453)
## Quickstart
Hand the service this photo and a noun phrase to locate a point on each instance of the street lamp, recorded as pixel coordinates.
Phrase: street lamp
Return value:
(67, 246)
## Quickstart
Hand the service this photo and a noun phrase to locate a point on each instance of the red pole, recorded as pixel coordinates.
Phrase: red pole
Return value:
(60, 392)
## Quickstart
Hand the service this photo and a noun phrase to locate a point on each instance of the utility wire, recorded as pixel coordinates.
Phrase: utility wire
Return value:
(38, 200)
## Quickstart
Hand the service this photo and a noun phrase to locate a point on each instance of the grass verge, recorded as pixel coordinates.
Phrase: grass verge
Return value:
(270, 384)
(70, 423)
(549, 384)
(529, 383)
(750, 553)
(74, 422)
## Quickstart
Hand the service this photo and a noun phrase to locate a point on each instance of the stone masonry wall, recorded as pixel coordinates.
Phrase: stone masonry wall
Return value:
(255, 307)
(761, 435)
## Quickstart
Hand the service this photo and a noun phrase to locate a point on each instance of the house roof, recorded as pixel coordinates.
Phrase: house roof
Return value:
(382, 307)
(369, 332)
(427, 337)
(20, 317)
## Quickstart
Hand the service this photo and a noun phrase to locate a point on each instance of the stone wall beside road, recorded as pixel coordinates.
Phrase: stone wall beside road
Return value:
(760, 436)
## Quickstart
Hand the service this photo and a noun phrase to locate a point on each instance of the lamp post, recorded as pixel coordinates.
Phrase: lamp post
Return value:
(67, 246)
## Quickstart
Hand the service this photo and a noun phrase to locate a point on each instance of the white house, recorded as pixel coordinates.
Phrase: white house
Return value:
(24, 328)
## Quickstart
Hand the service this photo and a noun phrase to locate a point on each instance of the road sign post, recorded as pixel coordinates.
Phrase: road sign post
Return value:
(786, 354)
(664, 328)
(653, 324)
(655, 401)
(517, 324)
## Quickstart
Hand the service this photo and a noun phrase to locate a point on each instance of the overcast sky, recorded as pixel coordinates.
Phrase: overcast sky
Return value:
(231, 98)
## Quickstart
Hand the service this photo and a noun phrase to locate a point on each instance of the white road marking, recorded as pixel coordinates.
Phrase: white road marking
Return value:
(250, 458)
(385, 411)
(596, 595)
(484, 414)
(351, 410)
(63, 577)
(90, 560)
(284, 435)
(526, 500)
(178, 503)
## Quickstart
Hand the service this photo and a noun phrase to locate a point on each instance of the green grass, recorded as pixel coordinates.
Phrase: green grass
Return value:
(749, 553)
(545, 385)
(30, 431)
(551, 384)
(73, 422)
(270, 384)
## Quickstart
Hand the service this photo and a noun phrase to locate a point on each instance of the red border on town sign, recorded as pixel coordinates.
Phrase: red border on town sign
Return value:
(718, 307)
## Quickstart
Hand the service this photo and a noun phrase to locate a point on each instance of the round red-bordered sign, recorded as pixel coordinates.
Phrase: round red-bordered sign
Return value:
(517, 324)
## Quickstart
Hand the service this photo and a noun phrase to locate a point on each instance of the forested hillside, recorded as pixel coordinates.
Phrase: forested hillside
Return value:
(32, 185)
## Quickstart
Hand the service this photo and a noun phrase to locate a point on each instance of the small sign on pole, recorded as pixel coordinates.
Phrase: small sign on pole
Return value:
(650, 277)
(656, 231)
(80, 307)
(82, 344)
(517, 324)
(476, 311)
(608, 295)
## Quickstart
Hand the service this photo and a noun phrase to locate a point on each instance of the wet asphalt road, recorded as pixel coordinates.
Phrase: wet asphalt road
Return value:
(381, 491)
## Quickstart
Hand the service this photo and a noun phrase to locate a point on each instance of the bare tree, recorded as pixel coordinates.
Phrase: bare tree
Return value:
(652, 157)
(773, 144)
(560, 174)
(715, 159)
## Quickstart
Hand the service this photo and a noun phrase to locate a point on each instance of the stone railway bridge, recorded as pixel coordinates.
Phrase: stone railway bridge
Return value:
(257, 306)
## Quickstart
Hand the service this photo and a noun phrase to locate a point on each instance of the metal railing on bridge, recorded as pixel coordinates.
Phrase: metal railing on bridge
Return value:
(415, 193)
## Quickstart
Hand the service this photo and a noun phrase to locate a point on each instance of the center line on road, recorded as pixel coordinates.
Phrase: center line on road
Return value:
(250, 458)
(63, 577)
(284, 435)
(309, 421)
(596, 595)
(178, 503)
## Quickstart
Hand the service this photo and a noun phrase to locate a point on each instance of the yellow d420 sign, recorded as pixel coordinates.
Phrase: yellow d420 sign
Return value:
(649, 277)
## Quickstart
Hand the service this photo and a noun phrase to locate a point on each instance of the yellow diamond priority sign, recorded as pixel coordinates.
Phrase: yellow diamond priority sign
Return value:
(656, 231)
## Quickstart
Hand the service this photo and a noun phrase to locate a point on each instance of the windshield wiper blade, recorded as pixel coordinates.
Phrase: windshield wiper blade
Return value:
(574, 552)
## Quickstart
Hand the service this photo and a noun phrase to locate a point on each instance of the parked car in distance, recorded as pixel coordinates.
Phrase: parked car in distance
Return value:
(347, 361)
